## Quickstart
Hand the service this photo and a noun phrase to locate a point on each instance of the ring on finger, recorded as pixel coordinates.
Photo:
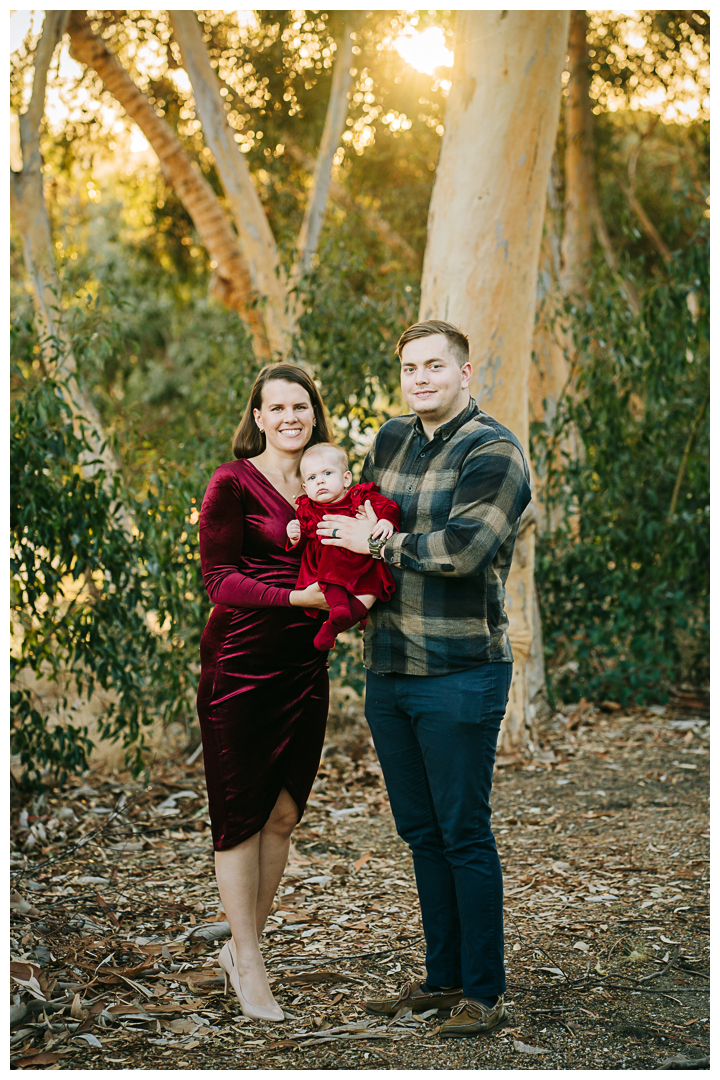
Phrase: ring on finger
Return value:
(334, 533)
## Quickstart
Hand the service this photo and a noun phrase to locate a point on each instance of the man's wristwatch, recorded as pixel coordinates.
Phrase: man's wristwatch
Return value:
(376, 546)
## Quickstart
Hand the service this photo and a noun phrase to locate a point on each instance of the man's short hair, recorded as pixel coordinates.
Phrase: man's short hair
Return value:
(458, 343)
(331, 450)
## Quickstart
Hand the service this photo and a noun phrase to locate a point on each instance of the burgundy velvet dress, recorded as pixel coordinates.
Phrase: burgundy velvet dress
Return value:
(263, 692)
(329, 565)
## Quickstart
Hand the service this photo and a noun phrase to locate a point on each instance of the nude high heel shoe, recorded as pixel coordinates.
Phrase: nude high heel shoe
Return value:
(255, 1012)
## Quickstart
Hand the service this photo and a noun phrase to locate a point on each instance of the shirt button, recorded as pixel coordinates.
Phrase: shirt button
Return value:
(410, 487)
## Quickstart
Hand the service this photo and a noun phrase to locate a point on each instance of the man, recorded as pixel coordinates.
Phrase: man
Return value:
(439, 662)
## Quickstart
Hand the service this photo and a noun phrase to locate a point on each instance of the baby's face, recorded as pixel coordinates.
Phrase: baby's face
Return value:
(323, 478)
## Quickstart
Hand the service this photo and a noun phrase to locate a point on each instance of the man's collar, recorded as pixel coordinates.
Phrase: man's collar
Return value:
(445, 431)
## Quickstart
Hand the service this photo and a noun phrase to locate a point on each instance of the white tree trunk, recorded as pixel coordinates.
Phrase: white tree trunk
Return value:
(331, 136)
(31, 219)
(232, 283)
(484, 233)
(256, 238)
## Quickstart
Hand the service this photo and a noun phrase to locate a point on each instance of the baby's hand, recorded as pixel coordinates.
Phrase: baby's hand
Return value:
(383, 530)
(293, 531)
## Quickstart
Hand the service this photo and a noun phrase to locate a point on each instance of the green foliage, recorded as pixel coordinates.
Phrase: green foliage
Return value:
(94, 604)
(347, 337)
(624, 579)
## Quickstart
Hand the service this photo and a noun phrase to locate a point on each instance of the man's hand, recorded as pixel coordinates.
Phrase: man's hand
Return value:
(352, 533)
(293, 532)
(383, 530)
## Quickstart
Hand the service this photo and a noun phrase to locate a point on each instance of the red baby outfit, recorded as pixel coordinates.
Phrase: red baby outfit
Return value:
(330, 565)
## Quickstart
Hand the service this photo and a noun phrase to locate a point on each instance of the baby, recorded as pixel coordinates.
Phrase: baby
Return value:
(351, 582)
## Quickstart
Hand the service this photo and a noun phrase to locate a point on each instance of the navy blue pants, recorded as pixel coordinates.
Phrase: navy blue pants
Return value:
(435, 738)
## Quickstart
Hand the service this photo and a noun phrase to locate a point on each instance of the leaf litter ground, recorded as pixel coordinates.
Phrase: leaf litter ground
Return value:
(603, 836)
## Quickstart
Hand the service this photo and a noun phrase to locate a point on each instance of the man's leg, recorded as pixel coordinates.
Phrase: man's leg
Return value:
(456, 719)
(401, 758)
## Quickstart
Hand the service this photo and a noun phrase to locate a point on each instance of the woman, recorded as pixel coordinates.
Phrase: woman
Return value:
(263, 693)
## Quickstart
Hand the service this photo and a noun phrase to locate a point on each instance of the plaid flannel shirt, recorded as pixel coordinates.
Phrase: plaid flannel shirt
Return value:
(461, 495)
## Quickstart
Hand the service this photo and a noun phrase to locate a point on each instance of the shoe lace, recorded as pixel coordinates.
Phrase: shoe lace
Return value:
(472, 1008)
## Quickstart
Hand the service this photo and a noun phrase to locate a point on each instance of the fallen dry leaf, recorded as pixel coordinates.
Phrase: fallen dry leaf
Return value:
(523, 1048)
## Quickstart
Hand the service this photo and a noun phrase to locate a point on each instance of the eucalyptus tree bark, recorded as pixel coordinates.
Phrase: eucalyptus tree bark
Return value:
(253, 228)
(583, 215)
(232, 283)
(29, 212)
(329, 143)
(580, 190)
(484, 232)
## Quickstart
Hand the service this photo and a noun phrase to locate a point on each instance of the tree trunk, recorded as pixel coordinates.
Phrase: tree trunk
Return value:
(331, 136)
(253, 228)
(580, 191)
(583, 215)
(30, 215)
(484, 233)
(232, 282)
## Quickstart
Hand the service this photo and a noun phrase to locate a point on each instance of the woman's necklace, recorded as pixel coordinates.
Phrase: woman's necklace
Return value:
(280, 484)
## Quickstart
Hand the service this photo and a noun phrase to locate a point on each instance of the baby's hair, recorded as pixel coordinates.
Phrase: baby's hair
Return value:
(329, 448)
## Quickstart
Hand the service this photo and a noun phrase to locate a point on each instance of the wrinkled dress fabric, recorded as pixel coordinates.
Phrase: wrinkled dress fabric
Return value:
(263, 692)
(330, 565)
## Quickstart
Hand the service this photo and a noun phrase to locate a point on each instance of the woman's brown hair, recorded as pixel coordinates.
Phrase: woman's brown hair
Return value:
(249, 440)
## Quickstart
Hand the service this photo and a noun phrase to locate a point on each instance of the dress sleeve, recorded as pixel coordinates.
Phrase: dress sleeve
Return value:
(307, 515)
(222, 521)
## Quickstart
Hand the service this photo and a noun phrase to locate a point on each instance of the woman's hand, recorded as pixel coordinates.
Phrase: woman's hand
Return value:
(335, 530)
(310, 597)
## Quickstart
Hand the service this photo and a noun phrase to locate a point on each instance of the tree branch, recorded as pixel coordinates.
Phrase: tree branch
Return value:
(232, 282)
(340, 195)
(686, 455)
(52, 31)
(634, 202)
(27, 201)
(626, 287)
(331, 136)
(253, 228)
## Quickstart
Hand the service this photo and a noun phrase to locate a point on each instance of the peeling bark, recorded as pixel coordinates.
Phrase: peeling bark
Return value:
(484, 234)
(253, 229)
(232, 284)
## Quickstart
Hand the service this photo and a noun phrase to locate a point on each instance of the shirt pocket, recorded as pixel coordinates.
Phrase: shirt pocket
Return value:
(434, 498)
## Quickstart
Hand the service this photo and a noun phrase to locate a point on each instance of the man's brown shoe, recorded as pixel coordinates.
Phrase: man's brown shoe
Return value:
(472, 1018)
(412, 997)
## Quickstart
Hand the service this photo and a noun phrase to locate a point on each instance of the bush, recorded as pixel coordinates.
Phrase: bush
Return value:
(94, 604)
(624, 579)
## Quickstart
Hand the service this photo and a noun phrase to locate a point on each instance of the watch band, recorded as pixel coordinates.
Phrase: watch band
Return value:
(376, 546)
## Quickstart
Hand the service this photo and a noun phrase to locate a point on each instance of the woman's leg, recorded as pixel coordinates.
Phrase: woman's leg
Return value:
(274, 848)
(248, 876)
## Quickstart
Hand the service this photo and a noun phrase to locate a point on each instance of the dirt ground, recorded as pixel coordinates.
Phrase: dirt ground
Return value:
(603, 836)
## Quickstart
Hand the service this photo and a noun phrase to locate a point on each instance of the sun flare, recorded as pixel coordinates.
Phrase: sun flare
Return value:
(424, 50)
